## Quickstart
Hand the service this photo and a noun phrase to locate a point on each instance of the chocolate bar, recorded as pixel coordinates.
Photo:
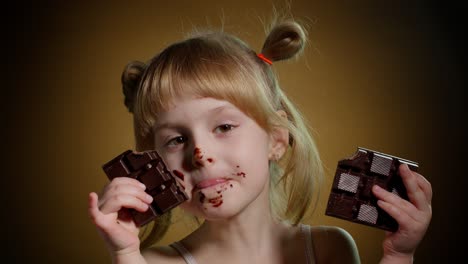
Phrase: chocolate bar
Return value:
(148, 168)
(351, 196)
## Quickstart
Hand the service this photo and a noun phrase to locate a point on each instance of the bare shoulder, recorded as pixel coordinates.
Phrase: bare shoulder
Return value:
(334, 245)
(162, 254)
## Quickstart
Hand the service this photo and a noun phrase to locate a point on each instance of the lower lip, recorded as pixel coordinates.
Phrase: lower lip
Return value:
(209, 183)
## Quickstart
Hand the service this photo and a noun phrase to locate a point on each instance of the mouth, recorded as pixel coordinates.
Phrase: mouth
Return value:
(210, 183)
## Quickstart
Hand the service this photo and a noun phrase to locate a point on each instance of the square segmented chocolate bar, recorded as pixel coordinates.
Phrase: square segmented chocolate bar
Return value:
(148, 168)
(351, 196)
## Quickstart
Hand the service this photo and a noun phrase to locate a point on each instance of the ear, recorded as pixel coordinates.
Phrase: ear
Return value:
(131, 78)
(279, 139)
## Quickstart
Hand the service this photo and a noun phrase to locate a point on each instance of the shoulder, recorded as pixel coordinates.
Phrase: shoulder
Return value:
(162, 254)
(328, 240)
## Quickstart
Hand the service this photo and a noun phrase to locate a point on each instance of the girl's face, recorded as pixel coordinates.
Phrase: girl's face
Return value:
(219, 154)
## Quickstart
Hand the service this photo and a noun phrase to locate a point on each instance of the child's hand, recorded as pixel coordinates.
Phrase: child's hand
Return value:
(112, 218)
(413, 216)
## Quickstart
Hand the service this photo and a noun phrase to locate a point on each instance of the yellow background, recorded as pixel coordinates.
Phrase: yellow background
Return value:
(378, 74)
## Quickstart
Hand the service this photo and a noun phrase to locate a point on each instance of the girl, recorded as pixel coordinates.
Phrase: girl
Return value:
(213, 109)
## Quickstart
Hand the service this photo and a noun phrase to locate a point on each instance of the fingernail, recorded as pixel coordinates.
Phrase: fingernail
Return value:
(380, 203)
(405, 166)
(143, 186)
(149, 198)
(377, 188)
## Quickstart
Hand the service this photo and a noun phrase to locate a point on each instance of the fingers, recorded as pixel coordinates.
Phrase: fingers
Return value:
(395, 204)
(418, 191)
(124, 192)
(396, 212)
(425, 185)
(117, 202)
(124, 181)
(418, 208)
(405, 213)
(413, 215)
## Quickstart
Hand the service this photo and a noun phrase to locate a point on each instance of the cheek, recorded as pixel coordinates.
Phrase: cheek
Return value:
(174, 164)
(189, 205)
(255, 144)
(170, 159)
(252, 157)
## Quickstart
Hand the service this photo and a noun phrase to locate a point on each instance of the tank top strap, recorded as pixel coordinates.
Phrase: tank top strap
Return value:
(309, 246)
(183, 252)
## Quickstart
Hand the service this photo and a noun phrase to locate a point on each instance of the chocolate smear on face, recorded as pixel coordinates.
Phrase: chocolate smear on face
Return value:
(241, 174)
(197, 153)
(178, 174)
(217, 201)
(202, 197)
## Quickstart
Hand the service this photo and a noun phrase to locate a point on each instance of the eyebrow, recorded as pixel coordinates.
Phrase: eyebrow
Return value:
(214, 110)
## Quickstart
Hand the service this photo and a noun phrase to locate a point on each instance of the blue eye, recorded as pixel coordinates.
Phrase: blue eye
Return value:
(176, 141)
(224, 128)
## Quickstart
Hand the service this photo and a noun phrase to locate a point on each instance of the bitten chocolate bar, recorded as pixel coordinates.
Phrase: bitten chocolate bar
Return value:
(148, 168)
(351, 196)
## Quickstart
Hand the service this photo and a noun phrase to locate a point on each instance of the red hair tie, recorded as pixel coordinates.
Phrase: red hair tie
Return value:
(265, 59)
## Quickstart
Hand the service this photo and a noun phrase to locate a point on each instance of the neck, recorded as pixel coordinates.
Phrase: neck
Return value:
(249, 229)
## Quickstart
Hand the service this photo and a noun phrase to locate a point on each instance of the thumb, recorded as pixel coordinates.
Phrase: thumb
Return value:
(93, 209)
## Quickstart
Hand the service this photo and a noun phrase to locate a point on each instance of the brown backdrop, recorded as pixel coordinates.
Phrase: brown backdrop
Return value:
(385, 75)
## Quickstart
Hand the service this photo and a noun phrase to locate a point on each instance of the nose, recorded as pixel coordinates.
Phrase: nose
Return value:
(200, 158)
(197, 158)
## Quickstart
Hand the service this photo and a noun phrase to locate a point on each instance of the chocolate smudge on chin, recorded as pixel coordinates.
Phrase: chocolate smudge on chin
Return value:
(202, 197)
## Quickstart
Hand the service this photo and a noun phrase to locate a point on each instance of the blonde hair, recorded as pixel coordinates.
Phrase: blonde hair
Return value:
(219, 65)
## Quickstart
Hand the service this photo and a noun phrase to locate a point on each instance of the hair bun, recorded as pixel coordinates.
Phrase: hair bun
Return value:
(131, 78)
(285, 40)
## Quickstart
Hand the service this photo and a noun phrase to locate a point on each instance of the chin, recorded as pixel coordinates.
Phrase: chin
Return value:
(219, 214)
(213, 209)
